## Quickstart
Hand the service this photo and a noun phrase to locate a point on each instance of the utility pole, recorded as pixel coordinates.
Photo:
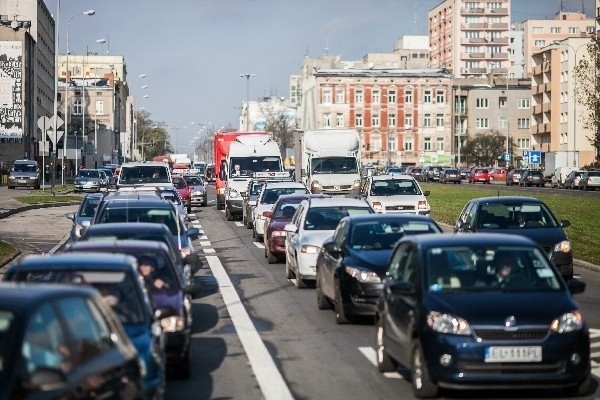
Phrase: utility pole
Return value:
(247, 76)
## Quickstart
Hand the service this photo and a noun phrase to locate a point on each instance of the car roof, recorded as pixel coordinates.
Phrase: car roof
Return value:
(94, 195)
(389, 217)
(394, 177)
(129, 245)
(504, 199)
(75, 261)
(143, 201)
(284, 185)
(481, 239)
(302, 196)
(121, 227)
(145, 163)
(17, 296)
(338, 202)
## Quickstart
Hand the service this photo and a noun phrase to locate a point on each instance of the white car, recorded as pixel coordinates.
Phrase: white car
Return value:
(267, 198)
(395, 194)
(314, 221)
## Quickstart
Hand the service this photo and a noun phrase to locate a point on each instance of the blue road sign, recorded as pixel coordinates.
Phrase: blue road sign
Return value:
(506, 157)
(535, 157)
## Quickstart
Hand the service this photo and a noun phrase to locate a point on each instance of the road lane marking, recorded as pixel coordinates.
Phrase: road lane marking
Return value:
(269, 378)
(204, 243)
(59, 244)
(238, 223)
(223, 211)
(259, 245)
(209, 251)
(371, 355)
(594, 333)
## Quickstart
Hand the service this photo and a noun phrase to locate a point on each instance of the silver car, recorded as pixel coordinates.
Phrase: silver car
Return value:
(24, 173)
(90, 180)
(84, 215)
(197, 190)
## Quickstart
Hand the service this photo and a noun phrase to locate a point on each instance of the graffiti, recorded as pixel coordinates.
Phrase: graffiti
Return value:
(11, 66)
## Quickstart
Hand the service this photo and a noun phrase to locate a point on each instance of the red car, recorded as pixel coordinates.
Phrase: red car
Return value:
(283, 211)
(479, 175)
(498, 174)
(184, 190)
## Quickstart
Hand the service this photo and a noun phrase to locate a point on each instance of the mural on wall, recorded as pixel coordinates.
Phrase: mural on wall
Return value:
(11, 67)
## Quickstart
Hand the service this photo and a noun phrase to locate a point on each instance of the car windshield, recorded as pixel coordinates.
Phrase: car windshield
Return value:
(6, 319)
(380, 235)
(164, 271)
(452, 171)
(141, 214)
(194, 181)
(327, 218)
(179, 183)
(515, 215)
(395, 171)
(88, 206)
(535, 173)
(270, 196)
(102, 236)
(145, 174)
(24, 168)
(484, 269)
(594, 173)
(334, 165)
(394, 187)
(286, 209)
(246, 166)
(88, 173)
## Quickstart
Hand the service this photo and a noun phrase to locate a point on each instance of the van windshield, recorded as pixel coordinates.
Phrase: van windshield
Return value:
(145, 174)
(334, 165)
(24, 168)
(246, 166)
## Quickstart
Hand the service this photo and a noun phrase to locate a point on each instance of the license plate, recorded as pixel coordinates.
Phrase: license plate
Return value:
(22, 181)
(513, 354)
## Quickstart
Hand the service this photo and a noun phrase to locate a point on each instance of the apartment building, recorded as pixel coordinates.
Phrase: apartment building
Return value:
(470, 37)
(515, 51)
(413, 51)
(541, 33)
(26, 74)
(597, 16)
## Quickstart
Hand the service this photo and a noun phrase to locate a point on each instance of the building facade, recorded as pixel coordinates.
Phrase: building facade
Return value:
(413, 51)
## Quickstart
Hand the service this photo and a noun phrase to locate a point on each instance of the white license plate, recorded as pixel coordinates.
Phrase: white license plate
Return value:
(22, 181)
(513, 354)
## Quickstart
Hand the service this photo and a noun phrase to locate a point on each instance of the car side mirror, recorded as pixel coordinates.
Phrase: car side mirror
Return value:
(252, 203)
(426, 193)
(565, 223)
(401, 288)
(291, 228)
(575, 286)
(163, 312)
(190, 259)
(332, 248)
(268, 214)
(45, 379)
(465, 226)
(192, 289)
(193, 233)
(71, 216)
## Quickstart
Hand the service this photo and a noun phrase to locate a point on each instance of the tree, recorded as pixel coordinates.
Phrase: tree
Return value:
(486, 148)
(152, 138)
(280, 123)
(587, 73)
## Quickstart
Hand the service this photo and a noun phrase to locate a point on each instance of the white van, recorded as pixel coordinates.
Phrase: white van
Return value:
(559, 176)
(147, 173)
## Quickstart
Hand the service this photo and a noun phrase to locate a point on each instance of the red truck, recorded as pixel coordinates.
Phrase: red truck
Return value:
(221, 147)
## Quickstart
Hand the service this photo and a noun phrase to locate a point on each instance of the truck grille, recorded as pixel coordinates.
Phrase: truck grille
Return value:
(399, 208)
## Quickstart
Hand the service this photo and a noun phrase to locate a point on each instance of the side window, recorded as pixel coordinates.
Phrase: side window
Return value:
(411, 266)
(397, 260)
(340, 233)
(297, 216)
(90, 333)
(464, 215)
(45, 344)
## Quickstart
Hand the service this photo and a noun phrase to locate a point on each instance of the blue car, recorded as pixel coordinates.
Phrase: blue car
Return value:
(352, 264)
(84, 215)
(115, 277)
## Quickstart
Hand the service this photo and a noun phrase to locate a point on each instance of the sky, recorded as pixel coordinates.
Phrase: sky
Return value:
(193, 51)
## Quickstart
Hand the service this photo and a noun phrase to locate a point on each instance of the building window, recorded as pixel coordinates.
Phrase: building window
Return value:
(427, 144)
(375, 142)
(340, 98)
(427, 120)
(326, 119)
(358, 95)
(427, 96)
(99, 107)
(376, 97)
(392, 120)
(408, 97)
(408, 121)
(392, 95)
(538, 29)
(391, 142)
(439, 121)
(440, 144)
(523, 143)
(77, 108)
(574, 29)
(482, 103)
(358, 121)
(539, 43)
(339, 119)
(440, 97)
(502, 122)
(327, 95)
(502, 102)
(495, 4)
(555, 29)
(524, 103)
(375, 120)
(482, 123)
(523, 123)
(408, 144)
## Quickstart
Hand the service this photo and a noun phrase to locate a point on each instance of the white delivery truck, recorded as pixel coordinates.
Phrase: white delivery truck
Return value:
(248, 153)
(328, 160)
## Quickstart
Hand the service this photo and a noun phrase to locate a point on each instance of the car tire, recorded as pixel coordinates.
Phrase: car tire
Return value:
(244, 220)
(248, 224)
(228, 215)
(288, 271)
(300, 282)
(385, 363)
(183, 368)
(271, 258)
(323, 302)
(340, 315)
(423, 386)
(11, 187)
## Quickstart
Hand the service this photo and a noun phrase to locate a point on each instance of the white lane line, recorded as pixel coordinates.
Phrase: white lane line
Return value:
(238, 223)
(259, 245)
(59, 244)
(211, 201)
(594, 333)
(269, 378)
(223, 211)
(201, 232)
(370, 354)
(204, 243)
(209, 251)
(595, 344)
(192, 215)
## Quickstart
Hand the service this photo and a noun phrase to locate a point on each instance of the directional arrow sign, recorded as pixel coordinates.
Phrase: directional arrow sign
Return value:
(54, 136)
(535, 157)
(55, 119)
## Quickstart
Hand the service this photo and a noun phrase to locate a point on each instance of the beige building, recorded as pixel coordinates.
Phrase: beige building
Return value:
(96, 96)
(413, 51)
(597, 16)
(26, 28)
(542, 33)
(470, 37)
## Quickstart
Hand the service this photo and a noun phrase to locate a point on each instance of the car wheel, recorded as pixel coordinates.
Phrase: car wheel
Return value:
(340, 315)
(253, 234)
(300, 282)
(244, 220)
(248, 223)
(228, 215)
(288, 272)
(423, 386)
(323, 302)
(183, 370)
(271, 258)
(385, 363)
(11, 187)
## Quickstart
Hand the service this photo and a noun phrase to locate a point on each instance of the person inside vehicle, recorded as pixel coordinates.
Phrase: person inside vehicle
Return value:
(507, 275)
(152, 279)
(236, 171)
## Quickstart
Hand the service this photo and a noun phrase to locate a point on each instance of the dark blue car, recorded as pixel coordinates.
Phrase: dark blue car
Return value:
(485, 311)
(115, 277)
(352, 264)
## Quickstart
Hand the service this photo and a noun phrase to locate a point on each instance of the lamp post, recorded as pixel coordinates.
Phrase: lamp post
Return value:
(67, 81)
(247, 76)
(176, 129)
(84, 104)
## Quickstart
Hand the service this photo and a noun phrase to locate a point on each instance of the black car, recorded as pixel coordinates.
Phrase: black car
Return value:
(485, 311)
(175, 294)
(63, 341)
(352, 264)
(531, 177)
(525, 216)
(432, 173)
(450, 175)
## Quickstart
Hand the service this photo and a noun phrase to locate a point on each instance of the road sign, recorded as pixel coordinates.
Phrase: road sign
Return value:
(535, 157)
(506, 157)
(54, 136)
(43, 123)
(526, 154)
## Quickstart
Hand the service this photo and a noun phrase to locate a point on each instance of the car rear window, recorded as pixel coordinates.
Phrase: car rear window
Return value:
(133, 174)
(327, 218)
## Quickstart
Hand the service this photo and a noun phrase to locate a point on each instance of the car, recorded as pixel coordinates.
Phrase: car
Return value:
(452, 313)
(198, 196)
(513, 176)
(559, 176)
(145, 173)
(353, 262)
(464, 173)
(209, 173)
(175, 294)
(116, 278)
(173, 195)
(531, 177)
(111, 180)
(416, 173)
(314, 221)
(24, 173)
(84, 215)
(63, 341)
(395, 194)
(498, 175)
(184, 190)
(572, 180)
(252, 191)
(478, 174)
(450, 175)
(275, 220)
(90, 180)
(589, 180)
(525, 216)
(267, 198)
(432, 173)
(395, 170)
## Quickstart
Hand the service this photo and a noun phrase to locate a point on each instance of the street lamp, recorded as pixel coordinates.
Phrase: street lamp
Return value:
(89, 13)
(84, 104)
(247, 76)
(176, 129)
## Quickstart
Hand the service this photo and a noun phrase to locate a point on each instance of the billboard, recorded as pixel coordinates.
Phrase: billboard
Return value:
(11, 81)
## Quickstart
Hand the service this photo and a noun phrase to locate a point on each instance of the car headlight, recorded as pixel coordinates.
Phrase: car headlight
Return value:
(278, 233)
(172, 324)
(447, 323)
(378, 207)
(315, 187)
(568, 322)
(78, 229)
(11, 177)
(362, 275)
(356, 183)
(233, 193)
(564, 246)
(33, 177)
(309, 249)
(197, 193)
(423, 205)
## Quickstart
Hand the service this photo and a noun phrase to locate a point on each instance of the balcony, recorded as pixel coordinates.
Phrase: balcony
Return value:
(497, 25)
(537, 109)
(499, 11)
(472, 11)
(546, 107)
(460, 110)
(500, 55)
(473, 26)
(500, 40)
